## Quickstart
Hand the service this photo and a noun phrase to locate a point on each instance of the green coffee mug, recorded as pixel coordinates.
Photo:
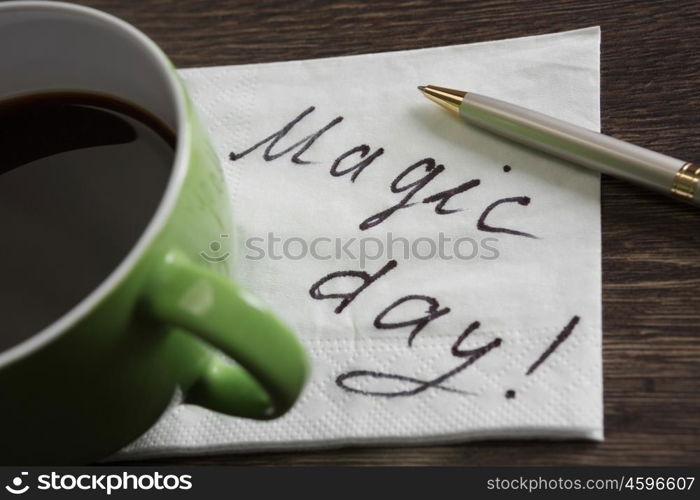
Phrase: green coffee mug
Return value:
(165, 319)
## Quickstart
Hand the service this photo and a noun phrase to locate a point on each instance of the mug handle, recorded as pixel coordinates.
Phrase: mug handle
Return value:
(271, 364)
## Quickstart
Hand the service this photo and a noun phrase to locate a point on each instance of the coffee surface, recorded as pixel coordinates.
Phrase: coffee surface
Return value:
(81, 175)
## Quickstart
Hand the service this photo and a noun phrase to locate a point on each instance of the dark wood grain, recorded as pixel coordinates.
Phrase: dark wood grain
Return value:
(651, 246)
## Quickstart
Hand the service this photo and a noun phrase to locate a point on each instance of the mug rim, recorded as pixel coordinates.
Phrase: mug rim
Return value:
(167, 200)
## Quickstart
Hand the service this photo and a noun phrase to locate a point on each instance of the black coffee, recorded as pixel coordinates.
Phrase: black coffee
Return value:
(80, 177)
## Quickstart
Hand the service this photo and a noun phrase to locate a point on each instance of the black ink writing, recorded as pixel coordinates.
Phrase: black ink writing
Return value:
(563, 335)
(301, 145)
(358, 167)
(470, 355)
(418, 324)
(445, 196)
(431, 171)
(363, 156)
(348, 297)
(421, 385)
(482, 226)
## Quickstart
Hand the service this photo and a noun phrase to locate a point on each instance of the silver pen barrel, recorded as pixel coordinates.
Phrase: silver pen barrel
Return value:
(676, 178)
(584, 147)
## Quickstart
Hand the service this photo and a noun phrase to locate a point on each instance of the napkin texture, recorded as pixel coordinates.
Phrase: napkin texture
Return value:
(535, 307)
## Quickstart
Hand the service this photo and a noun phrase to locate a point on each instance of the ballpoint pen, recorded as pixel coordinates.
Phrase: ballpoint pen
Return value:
(676, 178)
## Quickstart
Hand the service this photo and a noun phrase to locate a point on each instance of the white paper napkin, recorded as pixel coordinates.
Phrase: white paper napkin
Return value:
(527, 301)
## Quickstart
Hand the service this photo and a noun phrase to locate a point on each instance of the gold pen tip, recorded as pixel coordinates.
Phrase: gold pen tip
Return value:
(447, 98)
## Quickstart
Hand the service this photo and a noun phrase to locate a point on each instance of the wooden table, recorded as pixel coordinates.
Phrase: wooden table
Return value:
(651, 261)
